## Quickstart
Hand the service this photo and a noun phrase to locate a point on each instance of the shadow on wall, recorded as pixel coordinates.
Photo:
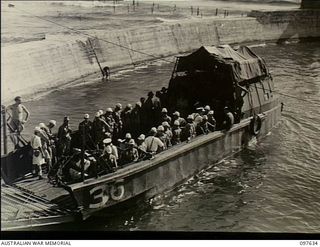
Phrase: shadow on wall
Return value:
(310, 4)
(297, 24)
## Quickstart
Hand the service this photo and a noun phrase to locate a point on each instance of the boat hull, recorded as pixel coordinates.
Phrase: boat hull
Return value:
(170, 168)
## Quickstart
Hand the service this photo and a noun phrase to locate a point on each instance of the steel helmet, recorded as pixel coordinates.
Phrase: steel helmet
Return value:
(141, 137)
(42, 125)
(176, 123)
(53, 122)
(165, 124)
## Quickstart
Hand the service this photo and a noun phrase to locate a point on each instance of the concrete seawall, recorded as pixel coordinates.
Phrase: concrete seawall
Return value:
(32, 67)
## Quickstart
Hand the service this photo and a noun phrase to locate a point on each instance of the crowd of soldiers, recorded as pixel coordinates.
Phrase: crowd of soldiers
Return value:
(117, 137)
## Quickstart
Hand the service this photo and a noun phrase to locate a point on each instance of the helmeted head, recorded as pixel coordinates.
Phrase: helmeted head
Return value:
(109, 110)
(204, 118)
(164, 111)
(207, 108)
(86, 116)
(37, 130)
(101, 112)
(118, 106)
(42, 126)
(141, 137)
(138, 104)
(153, 131)
(160, 128)
(176, 123)
(97, 114)
(211, 113)
(129, 107)
(52, 123)
(128, 136)
(190, 118)
(165, 124)
(176, 114)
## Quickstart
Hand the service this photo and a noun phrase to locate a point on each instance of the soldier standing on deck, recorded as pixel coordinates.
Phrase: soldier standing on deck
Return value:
(109, 120)
(189, 130)
(176, 133)
(85, 128)
(37, 153)
(176, 117)
(16, 119)
(164, 116)
(118, 121)
(136, 119)
(148, 116)
(64, 138)
(212, 121)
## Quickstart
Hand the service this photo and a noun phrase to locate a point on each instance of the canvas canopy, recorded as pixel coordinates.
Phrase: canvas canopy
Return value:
(210, 75)
(243, 63)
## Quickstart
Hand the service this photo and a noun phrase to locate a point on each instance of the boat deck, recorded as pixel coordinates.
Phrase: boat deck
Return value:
(21, 209)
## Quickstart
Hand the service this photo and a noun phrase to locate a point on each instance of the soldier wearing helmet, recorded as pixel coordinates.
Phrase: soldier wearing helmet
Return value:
(64, 138)
(189, 131)
(211, 121)
(176, 133)
(109, 120)
(131, 153)
(164, 116)
(162, 136)
(153, 143)
(37, 154)
(85, 132)
(168, 132)
(176, 116)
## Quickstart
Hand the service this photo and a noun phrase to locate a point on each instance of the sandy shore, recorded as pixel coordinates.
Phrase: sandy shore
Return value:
(26, 21)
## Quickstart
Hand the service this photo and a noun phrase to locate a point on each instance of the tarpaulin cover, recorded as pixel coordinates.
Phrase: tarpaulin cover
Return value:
(245, 65)
(210, 74)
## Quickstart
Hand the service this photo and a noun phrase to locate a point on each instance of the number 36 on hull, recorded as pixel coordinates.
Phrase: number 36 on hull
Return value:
(100, 195)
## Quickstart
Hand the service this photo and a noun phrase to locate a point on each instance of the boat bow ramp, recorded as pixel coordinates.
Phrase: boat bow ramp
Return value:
(22, 209)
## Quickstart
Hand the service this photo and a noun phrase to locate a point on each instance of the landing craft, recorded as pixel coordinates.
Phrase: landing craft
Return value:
(215, 76)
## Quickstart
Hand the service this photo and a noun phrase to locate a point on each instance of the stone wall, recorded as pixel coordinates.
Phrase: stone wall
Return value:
(32, 67)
